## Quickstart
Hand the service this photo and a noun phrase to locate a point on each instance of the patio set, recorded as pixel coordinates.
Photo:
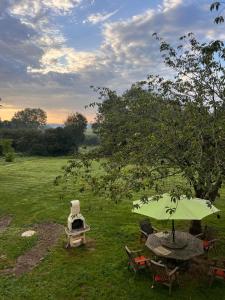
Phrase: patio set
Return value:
(173, 252)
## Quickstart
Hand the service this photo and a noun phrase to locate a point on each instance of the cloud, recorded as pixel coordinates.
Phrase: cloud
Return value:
(129, 44)
(36, 8)
(128, 51)
(17, 50)
(64, 60)
(99, 18)
(39, 15)
(28, 24)
(39, 68)
(170, 4)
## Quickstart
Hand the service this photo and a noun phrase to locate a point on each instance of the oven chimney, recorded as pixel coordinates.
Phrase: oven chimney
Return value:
(75, 207)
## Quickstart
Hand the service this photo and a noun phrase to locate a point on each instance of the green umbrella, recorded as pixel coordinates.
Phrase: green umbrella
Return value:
(183, 209)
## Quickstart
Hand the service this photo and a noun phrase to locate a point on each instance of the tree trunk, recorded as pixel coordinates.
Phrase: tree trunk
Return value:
(209, 193)
(196, 226)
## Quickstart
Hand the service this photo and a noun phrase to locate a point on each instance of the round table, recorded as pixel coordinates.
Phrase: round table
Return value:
(192, 246)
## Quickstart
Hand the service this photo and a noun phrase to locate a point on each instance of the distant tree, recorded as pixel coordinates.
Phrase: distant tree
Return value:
(66, 140)
(29, 141)
(219, 7)
(57, 142)
(6, 124)
(76, 120)
(91, 140)
(29, 118)
(75, 126)
(27, 135)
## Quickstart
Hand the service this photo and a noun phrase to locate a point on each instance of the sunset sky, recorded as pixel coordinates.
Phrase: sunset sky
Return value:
(51, 51)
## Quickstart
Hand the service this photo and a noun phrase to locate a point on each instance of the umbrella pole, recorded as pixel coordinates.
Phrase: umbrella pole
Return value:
(173, 231)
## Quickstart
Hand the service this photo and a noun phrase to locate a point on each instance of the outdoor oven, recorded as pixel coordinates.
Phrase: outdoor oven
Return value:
(76, 226)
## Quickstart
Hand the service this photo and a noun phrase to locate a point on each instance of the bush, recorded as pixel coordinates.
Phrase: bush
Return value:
(9, 157)
(91, 140)
(7, 150)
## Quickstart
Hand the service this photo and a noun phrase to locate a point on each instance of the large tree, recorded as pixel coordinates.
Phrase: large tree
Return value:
(29, 118)
(162, 127)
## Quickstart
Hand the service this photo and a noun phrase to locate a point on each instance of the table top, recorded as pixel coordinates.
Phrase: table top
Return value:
(192, 245)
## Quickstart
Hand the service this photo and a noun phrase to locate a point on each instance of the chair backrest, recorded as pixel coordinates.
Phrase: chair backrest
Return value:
(159, 269)
(218, 272)
(212, 243)
(209, 233)
(146, 226)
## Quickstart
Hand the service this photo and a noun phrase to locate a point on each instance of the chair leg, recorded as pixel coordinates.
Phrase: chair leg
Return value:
(211, 279)
(206, 254)
(170, 289)
(142, 238)
(153, 281)
(131, 267)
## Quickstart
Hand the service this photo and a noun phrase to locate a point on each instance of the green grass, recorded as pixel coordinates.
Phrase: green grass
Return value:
(100, 272)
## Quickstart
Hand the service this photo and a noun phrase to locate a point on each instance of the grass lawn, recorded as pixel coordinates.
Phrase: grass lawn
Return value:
(98, 272)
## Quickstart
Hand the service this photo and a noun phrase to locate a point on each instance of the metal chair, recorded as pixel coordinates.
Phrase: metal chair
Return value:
(137, 261)
(209, 243)
(216, 271)
(163, 275)
(146, 228)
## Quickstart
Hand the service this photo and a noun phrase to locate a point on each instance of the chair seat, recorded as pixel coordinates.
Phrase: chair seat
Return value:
(140, 260)
(205, 244)
(158, 278)
(219, 273)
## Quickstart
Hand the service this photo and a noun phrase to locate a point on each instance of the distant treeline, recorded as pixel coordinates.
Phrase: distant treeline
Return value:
(29, 135)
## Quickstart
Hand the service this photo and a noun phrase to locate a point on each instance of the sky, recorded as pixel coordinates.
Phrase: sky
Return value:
(52, 51)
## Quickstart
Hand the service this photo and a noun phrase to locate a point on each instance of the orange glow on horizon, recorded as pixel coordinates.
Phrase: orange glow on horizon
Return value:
(7, 113)
(60, 116)
(53, 116)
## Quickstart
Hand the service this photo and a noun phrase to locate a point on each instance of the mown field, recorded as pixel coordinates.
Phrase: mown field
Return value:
(96, 272)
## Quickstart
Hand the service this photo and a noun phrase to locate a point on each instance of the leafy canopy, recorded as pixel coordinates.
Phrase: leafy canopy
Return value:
(30, 118)
(219, 7)
(162, 127)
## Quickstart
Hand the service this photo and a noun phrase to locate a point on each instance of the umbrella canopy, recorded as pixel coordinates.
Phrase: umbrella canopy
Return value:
(183, 209)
